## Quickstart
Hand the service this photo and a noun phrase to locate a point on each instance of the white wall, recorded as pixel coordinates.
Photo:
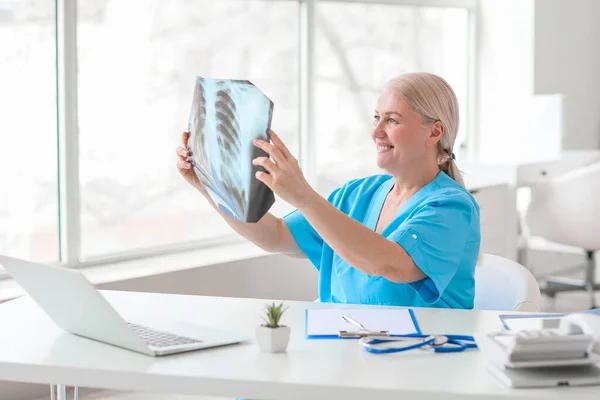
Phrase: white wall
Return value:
(537, 47)
(567, 60)
(505, 58)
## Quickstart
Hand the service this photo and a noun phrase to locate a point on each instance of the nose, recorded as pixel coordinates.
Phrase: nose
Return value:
(377, 131)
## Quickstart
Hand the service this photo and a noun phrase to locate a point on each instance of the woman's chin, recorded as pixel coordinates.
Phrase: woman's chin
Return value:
(382, 160)
(387, 163)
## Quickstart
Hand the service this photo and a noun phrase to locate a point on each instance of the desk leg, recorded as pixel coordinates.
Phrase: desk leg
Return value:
(61, 392)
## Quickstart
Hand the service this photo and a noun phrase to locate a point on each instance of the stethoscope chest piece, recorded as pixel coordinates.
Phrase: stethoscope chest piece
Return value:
(439, 340)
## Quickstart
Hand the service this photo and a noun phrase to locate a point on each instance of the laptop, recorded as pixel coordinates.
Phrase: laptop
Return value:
(76, 306)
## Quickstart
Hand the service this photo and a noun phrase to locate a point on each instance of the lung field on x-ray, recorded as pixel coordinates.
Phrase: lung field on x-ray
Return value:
(226, 116)
(200, 119)
(196, 142)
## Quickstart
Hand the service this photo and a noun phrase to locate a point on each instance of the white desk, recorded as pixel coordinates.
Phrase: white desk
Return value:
(33, 349)
(525, 172)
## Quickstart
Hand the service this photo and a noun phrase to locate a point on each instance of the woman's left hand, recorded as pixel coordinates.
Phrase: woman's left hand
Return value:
(284, 176)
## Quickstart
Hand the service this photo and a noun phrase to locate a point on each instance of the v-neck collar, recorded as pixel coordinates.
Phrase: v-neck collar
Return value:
(377, 203)
(376, 206)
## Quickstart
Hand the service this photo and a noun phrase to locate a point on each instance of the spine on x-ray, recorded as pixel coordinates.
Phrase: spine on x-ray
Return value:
(229, 140)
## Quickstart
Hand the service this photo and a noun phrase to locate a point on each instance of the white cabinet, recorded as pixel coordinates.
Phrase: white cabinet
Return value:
(494, 185)
(498, 217)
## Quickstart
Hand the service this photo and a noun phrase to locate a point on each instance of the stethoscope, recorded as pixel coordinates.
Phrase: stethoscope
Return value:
(439, 343)
(377, 342)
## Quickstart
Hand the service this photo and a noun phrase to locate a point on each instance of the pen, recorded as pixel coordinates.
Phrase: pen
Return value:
(353, 322)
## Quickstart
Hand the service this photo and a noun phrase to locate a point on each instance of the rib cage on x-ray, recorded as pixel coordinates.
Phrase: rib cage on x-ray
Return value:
(226, 116)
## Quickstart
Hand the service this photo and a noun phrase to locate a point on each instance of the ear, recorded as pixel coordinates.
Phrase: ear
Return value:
(436, 133)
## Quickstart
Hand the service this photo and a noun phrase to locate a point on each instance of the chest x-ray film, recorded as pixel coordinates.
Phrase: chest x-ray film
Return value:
(227, 115)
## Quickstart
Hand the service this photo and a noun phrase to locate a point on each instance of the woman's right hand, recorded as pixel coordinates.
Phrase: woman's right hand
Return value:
(185, 168)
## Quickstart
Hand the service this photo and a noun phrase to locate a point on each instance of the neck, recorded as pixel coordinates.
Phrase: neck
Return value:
(410, 180)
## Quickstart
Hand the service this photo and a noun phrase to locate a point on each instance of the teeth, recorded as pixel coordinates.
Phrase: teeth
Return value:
(383, 148)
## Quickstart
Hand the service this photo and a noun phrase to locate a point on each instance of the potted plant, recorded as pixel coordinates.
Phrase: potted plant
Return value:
(272, 337)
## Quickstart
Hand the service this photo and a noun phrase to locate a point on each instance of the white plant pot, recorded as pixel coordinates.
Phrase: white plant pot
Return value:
(272, 340)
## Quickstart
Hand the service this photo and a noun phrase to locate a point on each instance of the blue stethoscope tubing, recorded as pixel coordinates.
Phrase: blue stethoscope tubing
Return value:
(439, 343)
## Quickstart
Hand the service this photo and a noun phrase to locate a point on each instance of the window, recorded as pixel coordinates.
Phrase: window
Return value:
(353, 64)
(136, 65)
(135, 93)
(28, 152)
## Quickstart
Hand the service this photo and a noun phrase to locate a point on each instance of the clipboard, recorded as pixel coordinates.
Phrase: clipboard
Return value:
(327, 323)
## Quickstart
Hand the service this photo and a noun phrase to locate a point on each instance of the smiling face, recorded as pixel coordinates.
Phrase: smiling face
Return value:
(400, 133)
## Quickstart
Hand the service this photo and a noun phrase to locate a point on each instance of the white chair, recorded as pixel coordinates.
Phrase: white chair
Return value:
(505, 285)
(566, 210)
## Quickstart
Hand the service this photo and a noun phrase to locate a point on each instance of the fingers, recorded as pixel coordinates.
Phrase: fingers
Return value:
(184, 139)
(271, 149)
(182, 150)
(280, 145)
(265, 162)
(183, 153)
(183, 165)
(265, 178)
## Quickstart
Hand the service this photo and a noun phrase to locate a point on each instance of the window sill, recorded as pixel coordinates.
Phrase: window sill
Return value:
(132, 269)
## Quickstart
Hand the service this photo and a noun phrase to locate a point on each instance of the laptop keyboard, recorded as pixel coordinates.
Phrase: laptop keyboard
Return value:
(160, 339)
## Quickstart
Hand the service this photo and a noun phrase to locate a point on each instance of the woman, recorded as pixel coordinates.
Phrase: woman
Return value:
(410, 237)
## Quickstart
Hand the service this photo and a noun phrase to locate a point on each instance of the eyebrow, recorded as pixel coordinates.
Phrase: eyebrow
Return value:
(390, 113)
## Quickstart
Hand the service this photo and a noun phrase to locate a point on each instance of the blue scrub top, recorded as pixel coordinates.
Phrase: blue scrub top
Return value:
(438, 227)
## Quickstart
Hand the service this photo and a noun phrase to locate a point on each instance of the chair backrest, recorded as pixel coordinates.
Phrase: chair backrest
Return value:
(503, 284)
(566, 209)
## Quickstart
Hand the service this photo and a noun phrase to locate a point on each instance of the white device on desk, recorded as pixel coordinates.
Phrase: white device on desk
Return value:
(75, 305)
(546, 357)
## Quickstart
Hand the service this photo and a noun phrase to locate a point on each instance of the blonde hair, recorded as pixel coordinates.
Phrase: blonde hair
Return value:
(433, 98)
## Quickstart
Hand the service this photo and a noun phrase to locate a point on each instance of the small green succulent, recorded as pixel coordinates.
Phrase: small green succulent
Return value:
(273, 314)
